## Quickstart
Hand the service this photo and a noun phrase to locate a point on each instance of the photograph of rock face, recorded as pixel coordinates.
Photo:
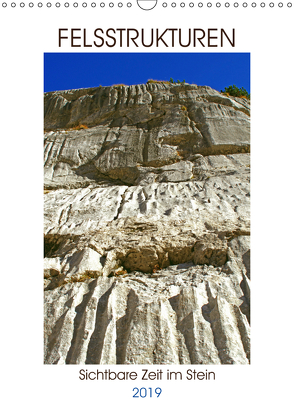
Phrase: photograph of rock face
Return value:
(146, 225)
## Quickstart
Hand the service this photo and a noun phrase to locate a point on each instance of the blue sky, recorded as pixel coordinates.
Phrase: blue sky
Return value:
(64, 71)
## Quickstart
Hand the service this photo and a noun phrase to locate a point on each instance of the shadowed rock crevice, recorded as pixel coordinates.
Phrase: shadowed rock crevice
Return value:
(80, 324)
(246, 261)
(245, 306)
(228, 327)
(123, 327)
(55, 339)
(196, 332)
(97, 339)
(244, 330)
(186, 326)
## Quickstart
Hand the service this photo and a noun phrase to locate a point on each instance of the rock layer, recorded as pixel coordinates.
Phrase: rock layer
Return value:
(146, 225)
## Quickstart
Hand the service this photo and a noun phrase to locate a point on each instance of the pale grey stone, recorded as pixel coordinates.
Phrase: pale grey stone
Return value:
(146, 226)
(122, 128)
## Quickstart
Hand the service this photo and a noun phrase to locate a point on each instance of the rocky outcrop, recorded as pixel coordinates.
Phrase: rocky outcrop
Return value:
(146, 225)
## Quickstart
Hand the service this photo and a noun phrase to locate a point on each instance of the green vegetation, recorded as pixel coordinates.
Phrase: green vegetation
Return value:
(176, 82)
(236, 92)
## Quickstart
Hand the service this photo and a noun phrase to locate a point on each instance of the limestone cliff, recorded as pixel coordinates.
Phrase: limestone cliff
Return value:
(146, 226)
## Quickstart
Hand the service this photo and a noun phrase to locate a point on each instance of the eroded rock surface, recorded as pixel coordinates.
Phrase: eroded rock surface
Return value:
(146, 224)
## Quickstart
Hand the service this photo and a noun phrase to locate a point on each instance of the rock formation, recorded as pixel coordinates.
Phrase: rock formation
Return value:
(146, 226)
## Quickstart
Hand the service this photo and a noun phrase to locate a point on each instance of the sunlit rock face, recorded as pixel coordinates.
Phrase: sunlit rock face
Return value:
(146, 226)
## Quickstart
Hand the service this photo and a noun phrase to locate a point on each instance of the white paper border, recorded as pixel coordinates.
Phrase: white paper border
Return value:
(264, 386)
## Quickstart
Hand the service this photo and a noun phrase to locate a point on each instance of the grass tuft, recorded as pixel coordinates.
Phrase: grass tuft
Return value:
(154, 81)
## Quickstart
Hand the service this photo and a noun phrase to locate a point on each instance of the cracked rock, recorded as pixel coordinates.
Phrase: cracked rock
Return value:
(146, 226)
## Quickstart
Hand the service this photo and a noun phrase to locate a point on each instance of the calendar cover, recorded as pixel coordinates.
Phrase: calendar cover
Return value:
(152, 202)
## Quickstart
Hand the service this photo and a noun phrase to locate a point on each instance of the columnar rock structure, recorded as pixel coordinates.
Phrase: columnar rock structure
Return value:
(146, 226)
